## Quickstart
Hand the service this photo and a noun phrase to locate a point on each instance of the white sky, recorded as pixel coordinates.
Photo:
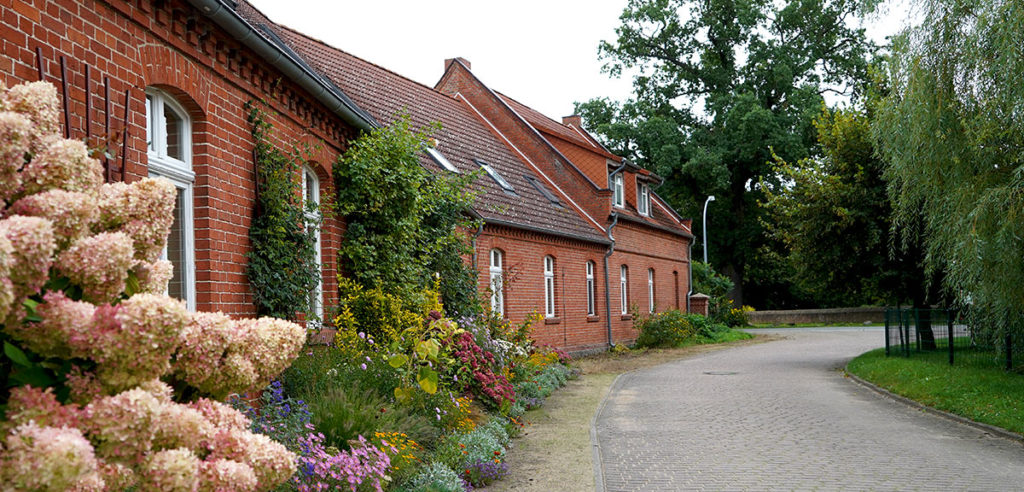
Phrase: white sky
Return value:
(542, 53)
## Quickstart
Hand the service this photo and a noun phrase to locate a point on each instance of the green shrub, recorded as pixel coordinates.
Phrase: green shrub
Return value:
(435, 477)
(321, 368)
(343, 414)
(667, 329)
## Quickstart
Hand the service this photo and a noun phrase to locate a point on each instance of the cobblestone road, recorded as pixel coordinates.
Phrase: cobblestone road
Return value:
(780, 416)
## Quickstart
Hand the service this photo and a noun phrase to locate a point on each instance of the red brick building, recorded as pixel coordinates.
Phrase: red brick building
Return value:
(570, 231)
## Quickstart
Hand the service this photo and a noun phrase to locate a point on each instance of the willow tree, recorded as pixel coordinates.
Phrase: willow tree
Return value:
(952, 131)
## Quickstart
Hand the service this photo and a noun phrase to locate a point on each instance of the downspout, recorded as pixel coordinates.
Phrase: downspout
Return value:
(611, 249)
(689, 274)
(479, 231)
(607, 283)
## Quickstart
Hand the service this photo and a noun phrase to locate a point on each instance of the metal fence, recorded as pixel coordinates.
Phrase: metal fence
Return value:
(910, 331)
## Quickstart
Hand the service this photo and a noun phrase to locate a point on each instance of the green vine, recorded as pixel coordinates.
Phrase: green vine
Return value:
(283, 267)
(404, 223)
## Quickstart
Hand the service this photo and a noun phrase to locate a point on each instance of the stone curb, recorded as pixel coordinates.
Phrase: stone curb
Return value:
(990, 429)
(595, 445)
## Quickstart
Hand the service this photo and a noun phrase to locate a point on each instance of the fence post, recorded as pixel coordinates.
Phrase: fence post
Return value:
(887, 311)
(906, 336)
(1009, 352)
(949, 341)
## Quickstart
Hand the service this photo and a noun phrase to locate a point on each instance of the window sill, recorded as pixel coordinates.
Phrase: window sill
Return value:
(552, 321)
(592, 319)
(625, 317)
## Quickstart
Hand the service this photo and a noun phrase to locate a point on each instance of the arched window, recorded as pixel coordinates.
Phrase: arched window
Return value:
(311, 205)
(549, 286)
(169, 150)
(650, 289)
(497, 282)
(591, 305)
(624, 288)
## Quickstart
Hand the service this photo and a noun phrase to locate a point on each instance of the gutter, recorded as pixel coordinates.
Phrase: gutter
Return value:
(331, 97)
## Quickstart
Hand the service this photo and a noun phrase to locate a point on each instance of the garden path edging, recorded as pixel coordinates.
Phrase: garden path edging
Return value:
(991, 429)
(595, 444)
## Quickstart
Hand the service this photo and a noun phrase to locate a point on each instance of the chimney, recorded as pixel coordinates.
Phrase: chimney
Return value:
(574, 120)
(464, 61)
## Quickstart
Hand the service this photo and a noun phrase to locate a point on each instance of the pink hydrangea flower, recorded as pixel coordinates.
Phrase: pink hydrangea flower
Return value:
(220, 415)
(64, 165)
(133, 341)
(122, 426)
(171, 470)
(99, 265)
(154, 277)
(32, 245)
(180, 426)
(143, 210)
(15, 139)
(27, 404)
(38, 102)
(222, 475)
(71, 213)
(6, 286)
(62, 318)
(45, 458)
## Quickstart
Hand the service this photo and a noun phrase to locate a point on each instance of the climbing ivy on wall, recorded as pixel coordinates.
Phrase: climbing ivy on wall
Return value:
(282, 262)
(405, 223)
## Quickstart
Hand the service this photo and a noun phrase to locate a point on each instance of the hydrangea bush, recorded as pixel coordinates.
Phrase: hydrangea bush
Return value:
(119, 372)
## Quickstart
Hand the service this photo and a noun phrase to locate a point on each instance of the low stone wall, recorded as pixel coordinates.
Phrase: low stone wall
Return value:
(853, 316)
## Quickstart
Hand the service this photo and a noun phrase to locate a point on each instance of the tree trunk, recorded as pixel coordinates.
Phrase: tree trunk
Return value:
(924, 327)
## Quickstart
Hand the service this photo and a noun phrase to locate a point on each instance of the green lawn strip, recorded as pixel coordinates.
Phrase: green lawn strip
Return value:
(974, 387)
(809, 325)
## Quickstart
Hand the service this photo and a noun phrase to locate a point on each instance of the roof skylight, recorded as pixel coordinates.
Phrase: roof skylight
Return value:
(495, 176)
(543, 190)
(441, 160)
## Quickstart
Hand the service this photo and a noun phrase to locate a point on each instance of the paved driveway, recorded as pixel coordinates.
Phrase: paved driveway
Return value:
(780, 416)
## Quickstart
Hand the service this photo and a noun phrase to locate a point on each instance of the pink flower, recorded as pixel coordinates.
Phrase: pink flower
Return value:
(133, 341)
(27, 404)
(99, 265)
(62, 318)
(71, 213)
(38, 102)
(64, 165)
(223, 475)
(15, 139)
(46, 458)
(32, 245)
(143, 210)
(171, 470)
(154, 277)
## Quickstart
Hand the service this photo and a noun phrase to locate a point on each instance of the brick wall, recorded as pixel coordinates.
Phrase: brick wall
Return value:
(169, 45)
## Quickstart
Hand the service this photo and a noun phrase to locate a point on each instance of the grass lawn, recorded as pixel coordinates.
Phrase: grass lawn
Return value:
(975, 387)
(809, 325)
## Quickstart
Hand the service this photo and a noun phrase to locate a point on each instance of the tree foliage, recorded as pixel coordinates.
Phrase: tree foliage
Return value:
(834, 218)
(720, 83)
(283, 267)
(952, 132)
(404, 223)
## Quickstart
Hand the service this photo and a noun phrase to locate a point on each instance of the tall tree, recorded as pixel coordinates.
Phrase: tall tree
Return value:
(835, 220)
(720, 82)
(952, 132)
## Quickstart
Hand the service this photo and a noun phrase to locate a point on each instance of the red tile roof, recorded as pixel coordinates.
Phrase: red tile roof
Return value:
(462, 138)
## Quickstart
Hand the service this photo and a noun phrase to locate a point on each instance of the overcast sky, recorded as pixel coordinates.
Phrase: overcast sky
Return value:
(542, 53)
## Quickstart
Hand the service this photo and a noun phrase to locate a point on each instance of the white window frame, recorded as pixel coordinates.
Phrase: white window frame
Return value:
(643, 199)
(618, 191)
(591, 304)
(549, 286)
(441, 160)
(650, 289)
(497, 281)
(624, 288)
(311, 180)
(177, 171)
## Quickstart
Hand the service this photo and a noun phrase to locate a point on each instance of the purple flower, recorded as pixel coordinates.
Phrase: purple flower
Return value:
(363, 366)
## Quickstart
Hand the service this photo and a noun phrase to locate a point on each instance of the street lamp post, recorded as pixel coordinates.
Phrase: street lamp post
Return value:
(704, 221)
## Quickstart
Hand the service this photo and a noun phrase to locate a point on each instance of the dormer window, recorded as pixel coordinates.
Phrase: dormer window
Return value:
(643, 199)
(618, 191)
(441, 160)
(495, 176)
